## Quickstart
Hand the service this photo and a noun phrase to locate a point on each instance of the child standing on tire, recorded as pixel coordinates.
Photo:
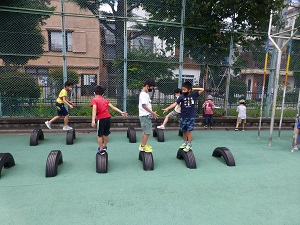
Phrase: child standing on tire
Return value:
(187, 119)
(208, 107)
(146, 114)
(60, 106)
(297, 137)
(101, 116)
(176, 112)
(242, 111)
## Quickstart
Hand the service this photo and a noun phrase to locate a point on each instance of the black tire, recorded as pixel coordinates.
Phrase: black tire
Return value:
(180, 133)
(35, 136)
(179, 154)
(189, 159)
(155, 132)
(160, 135)
(226, 154)
(74, 134)
(70, 137)
(54, 159)
(132, 135)
(141, 155)
(128, 132)
(101, 163)
(148, 162)
(6, 161)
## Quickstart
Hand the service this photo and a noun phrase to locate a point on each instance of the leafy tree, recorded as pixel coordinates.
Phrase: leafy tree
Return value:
(20, 35)
(56, 82)
(295, 65)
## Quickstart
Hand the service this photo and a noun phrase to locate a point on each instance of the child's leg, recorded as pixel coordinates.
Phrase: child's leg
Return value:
(166, 120)
(145, 138)
(54, 119)
(105, 140)
(184, 135)
(189, 136)
(243, 124)
(66, 120)
(237, 123)
(210, 120)
(206, 119)
(100, 142)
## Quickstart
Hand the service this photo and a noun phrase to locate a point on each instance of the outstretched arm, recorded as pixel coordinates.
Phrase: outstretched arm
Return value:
(170, 107)
(117, 110)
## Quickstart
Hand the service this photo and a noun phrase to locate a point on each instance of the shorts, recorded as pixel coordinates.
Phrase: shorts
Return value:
(103, 127)
(61, 110)
(146, 124)
(240, 120)
(298, 139)
(173, 114)
(187, 124)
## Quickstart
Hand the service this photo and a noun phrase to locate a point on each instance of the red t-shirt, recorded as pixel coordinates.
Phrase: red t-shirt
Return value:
(208, 107)
(102, 107)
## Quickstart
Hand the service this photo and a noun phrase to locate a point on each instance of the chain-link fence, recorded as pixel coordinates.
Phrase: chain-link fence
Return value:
(120, 44)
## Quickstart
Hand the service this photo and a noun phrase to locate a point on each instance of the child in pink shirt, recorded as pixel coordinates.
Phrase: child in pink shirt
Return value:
(208, 107)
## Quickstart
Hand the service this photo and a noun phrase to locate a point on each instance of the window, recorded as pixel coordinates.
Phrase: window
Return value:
(144, 41)
(88, 83)
(55, 41)
(40, 74)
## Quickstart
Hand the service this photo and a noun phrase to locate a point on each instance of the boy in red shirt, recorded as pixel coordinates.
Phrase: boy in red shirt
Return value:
(208, 107)
(101, 114)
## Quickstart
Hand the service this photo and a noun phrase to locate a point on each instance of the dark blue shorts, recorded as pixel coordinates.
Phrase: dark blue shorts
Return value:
(61, 110)
(103, 127)
(298, 139)
(187, 124)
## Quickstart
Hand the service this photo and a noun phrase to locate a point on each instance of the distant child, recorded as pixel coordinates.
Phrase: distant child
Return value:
(297, 137)
(101, 115)
(208, 107)
(60, 107)
(176, 112)
(146, 114)
(188, 113)
(241, 109)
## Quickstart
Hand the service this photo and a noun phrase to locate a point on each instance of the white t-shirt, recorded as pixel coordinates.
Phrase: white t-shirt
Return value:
(241, 109)
(177, 107)
(144, 99)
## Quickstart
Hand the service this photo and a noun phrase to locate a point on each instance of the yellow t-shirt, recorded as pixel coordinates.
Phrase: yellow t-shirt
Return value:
(62, 93)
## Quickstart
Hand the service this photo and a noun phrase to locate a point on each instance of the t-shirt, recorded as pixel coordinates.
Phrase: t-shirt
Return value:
(177, 107)
(62, 93)
(241, 109)
(102, 111)
(144, 99)
(208, 107)
(188, 105)
(298, 126)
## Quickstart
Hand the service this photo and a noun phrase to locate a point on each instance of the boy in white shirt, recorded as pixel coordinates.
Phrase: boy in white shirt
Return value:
(146, 114)
(174, 113)
(241, 109)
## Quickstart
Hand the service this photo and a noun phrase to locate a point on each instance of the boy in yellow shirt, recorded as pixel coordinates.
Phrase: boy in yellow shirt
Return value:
(60, 106)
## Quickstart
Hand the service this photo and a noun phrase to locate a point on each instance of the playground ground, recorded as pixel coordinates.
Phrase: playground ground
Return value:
(263, 187)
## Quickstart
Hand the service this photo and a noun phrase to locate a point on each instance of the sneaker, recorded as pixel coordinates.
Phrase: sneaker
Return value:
(210, 128)
(296, 148)
(102, 152)
(161, 127)
(205, 127)
(146, 148)
(104, 148)
(98, 150)
(183, 145)
(187, 148)
(48, 124)
(67, 128)
(243, 130)
(236, 129)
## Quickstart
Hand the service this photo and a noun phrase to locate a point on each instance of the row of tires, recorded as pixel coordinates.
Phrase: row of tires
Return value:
(157, 133)
(55, 158)
(38, 135)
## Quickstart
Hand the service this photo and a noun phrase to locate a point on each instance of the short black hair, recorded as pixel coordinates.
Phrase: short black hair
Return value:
(187, 85)
(177, 90)
(99, 90)
(68, 83)
(150, 82)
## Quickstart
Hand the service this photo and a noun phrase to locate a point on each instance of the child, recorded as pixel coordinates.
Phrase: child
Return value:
(297, 137)
(101, 114)
(188, 113)
(241, 109)
(60, 106)
(146, 113)
(175, 112)
(208, 107)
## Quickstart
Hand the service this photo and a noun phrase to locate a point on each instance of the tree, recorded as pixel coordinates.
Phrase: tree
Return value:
(295, 65)
(56, 82)
(20, 35)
